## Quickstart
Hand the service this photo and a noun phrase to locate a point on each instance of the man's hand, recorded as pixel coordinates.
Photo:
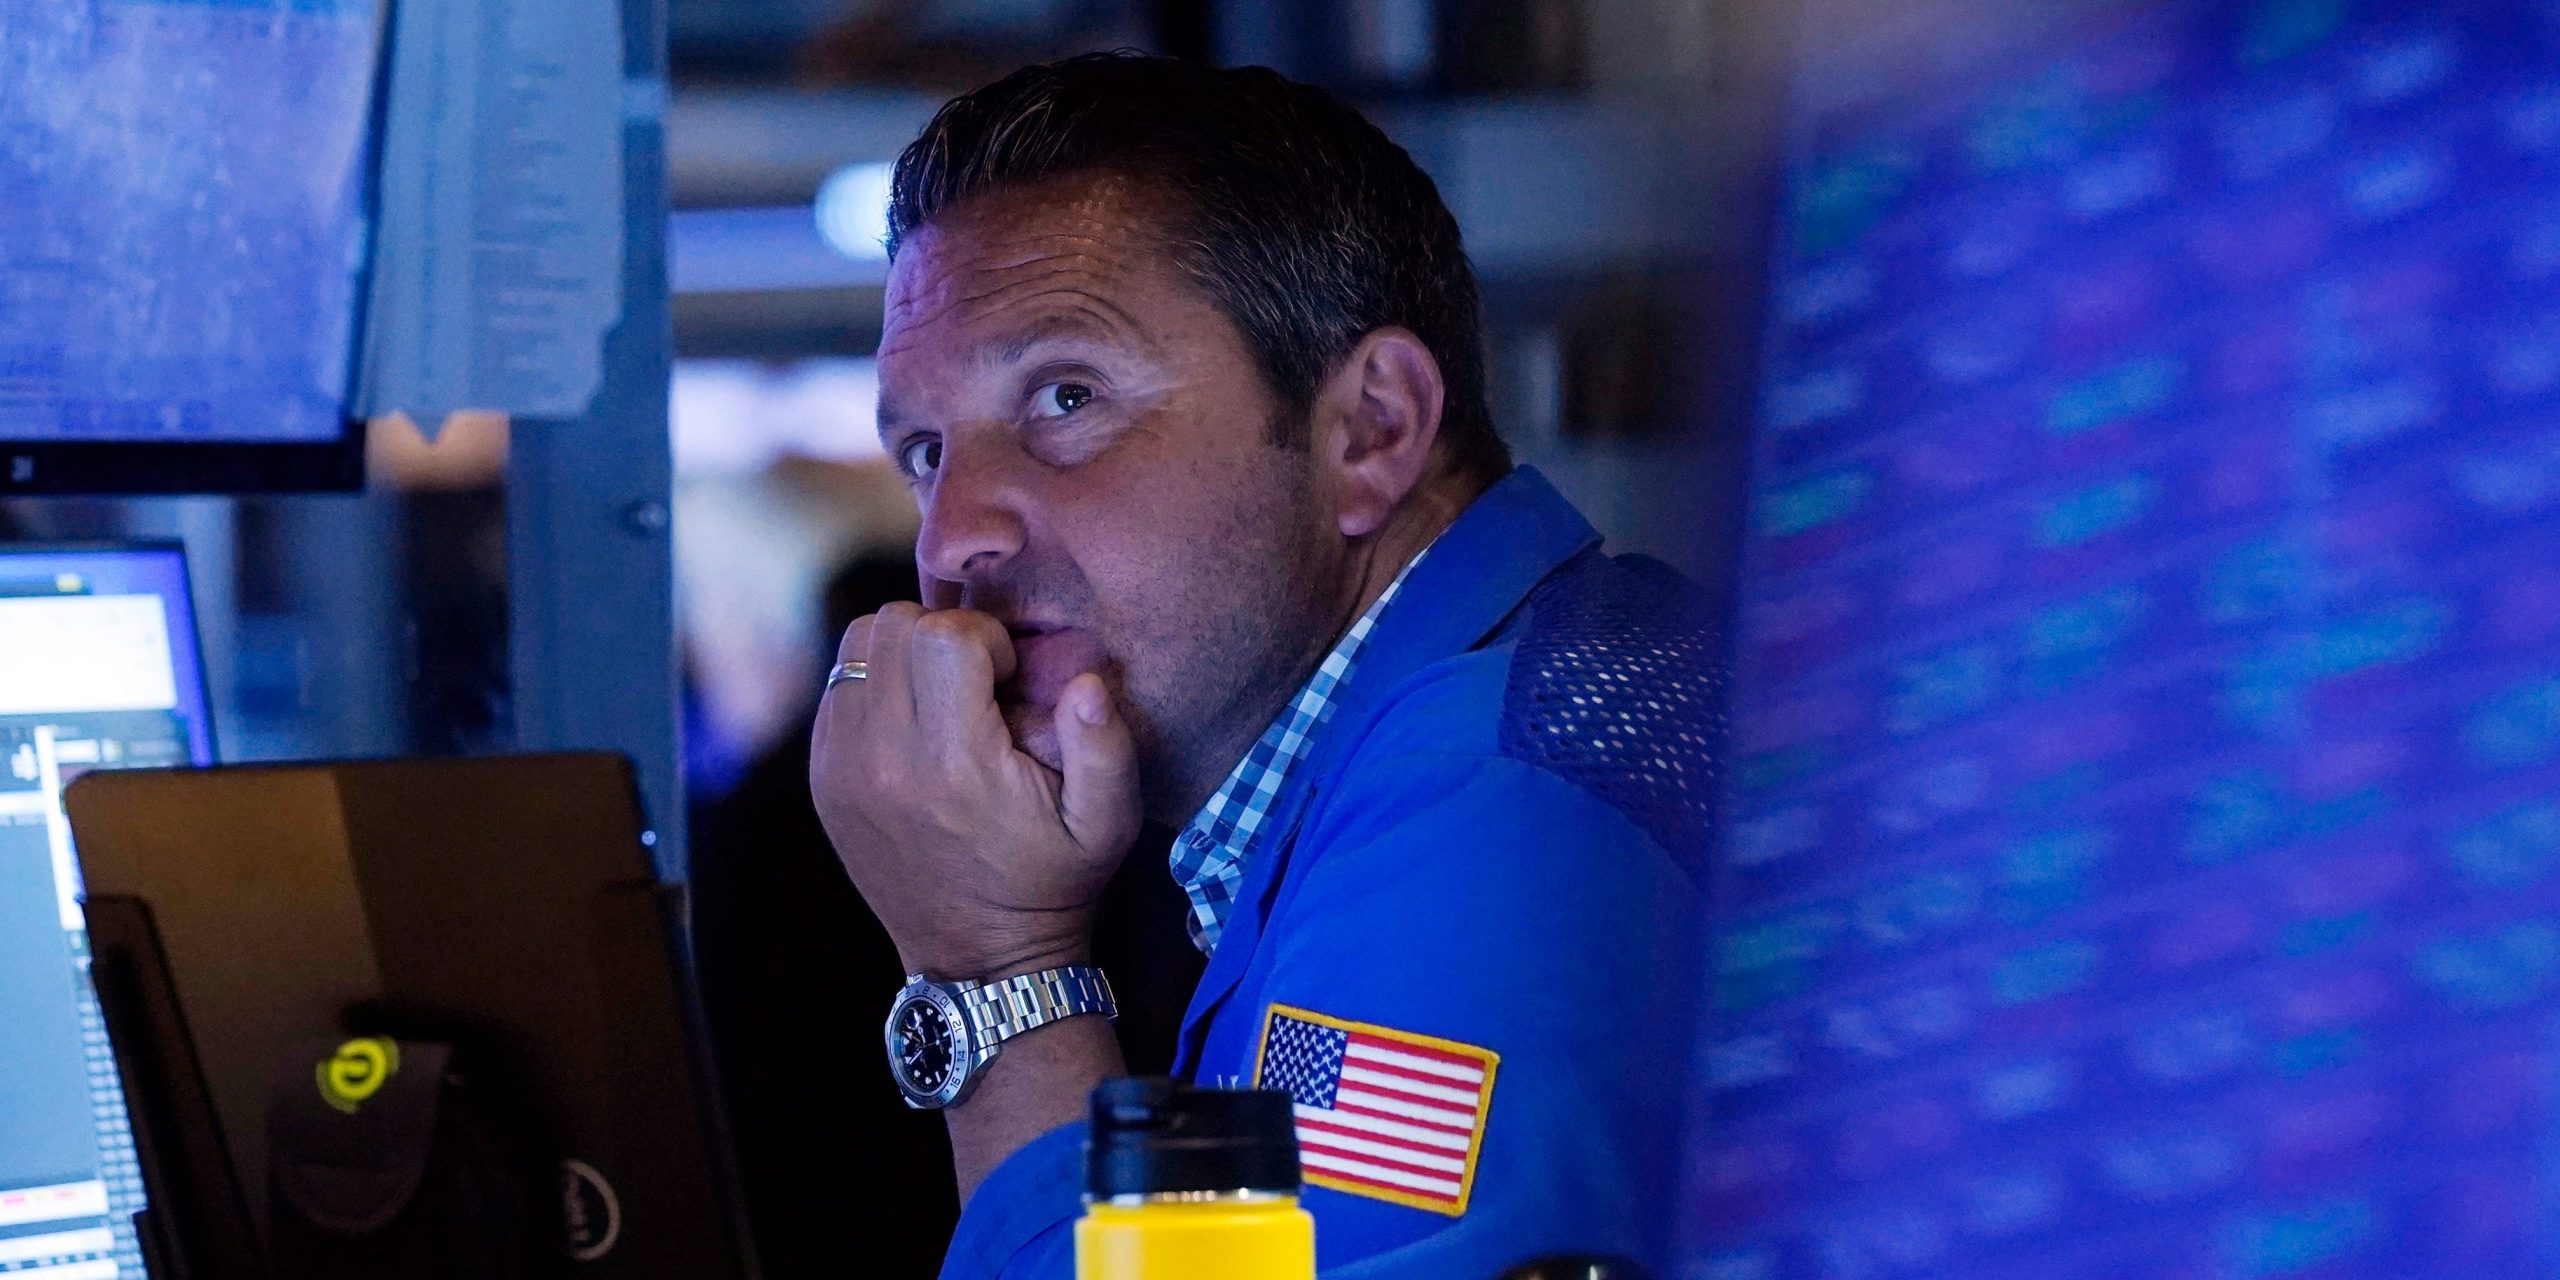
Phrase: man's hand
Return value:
(980, 861)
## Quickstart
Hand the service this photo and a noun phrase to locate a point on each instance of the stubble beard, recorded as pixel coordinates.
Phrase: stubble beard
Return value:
(1245, 663)
(1241, 644)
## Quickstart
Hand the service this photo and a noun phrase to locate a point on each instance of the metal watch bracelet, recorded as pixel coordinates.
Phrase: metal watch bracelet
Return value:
(1007, 1007)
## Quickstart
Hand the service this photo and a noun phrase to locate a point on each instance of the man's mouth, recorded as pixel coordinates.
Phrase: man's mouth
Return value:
(1046, 656)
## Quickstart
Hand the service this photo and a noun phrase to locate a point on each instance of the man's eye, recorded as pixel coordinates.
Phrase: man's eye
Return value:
(1058, 399)
(920, 456)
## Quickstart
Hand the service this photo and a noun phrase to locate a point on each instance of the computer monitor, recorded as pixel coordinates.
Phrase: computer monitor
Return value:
(2143, 856)
(505, 905)
(183, 242)
(99, 669)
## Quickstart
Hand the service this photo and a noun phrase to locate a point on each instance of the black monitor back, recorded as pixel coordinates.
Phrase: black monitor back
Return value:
(506, 903)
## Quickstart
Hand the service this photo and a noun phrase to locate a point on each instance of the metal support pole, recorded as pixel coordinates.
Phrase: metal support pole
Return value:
(591, 577)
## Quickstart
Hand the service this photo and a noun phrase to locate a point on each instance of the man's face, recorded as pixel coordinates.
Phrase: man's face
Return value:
(1088, 440)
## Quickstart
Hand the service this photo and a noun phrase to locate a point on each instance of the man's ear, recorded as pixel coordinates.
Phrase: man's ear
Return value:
(1380, 418)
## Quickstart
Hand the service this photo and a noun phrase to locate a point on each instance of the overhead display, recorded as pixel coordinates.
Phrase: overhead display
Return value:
(182, 218)
(2143, 855)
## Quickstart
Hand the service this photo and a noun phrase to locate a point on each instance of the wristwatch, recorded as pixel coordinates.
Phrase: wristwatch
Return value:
(942, 1035)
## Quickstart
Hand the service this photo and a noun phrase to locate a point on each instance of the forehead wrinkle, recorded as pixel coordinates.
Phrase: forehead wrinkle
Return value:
(984, 263)
(991, 282)
(1003, 241)
(961, 279)
(1062, 302)
(1080, 317)
(1022, 249)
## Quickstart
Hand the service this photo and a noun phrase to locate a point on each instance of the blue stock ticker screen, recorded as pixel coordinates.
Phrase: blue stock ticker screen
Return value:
(182, 229)
(2143, 844)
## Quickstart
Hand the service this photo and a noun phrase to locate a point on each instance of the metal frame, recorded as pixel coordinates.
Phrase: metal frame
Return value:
(591, 642)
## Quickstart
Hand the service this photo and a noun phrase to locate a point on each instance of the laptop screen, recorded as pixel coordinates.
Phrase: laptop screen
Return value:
(99, 669)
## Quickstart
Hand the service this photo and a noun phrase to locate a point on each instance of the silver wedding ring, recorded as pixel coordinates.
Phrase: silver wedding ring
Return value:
(848, 671)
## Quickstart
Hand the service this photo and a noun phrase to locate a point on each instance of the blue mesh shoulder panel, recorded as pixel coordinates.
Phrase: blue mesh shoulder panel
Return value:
(1616, 685)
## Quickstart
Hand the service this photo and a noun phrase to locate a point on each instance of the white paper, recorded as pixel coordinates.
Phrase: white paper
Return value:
(497, 266)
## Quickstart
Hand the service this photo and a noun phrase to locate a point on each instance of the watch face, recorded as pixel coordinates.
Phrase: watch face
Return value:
(924, 1046)
(927, 1042)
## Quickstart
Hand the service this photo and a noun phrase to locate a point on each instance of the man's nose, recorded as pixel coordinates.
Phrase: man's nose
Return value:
(972, 518)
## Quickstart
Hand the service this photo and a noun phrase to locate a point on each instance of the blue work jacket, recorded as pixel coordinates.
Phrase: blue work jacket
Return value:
(1488, 857)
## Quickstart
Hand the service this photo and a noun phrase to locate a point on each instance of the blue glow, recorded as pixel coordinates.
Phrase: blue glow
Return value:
(2140, 826)
(853, 211)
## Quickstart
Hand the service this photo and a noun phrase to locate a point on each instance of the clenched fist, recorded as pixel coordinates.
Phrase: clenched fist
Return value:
(981, 861)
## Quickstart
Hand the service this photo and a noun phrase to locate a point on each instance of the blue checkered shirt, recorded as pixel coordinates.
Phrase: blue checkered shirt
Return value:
(1209, 856)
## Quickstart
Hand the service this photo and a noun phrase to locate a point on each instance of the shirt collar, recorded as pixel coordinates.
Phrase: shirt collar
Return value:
(1209, 855)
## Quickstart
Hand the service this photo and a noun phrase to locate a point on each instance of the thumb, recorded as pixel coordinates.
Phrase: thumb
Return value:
(1099, 763)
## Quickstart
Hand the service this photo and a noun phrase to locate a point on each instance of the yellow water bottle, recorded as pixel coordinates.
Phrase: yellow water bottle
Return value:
(1183, 1183)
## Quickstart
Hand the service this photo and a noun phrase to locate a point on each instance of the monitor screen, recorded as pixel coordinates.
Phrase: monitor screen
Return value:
(182, 230)
(2143, 857)
(98, 669)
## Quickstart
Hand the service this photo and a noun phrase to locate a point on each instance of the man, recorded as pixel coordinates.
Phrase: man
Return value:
(1182, 365)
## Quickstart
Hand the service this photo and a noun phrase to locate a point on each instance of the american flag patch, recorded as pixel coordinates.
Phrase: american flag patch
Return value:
(1381, 1113)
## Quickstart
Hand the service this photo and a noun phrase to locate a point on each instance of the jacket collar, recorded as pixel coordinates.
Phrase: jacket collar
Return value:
(1478, 573)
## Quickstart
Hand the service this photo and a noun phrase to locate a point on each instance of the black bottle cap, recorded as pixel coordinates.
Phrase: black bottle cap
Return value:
(1151, 1136)
(1576, 1267)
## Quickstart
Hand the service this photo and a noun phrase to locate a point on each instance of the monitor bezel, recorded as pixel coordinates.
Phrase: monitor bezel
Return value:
(105, 467)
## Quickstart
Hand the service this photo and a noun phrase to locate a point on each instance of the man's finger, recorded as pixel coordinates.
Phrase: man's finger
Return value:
(836, 700)
(885, 687)
(1099, 801)
(855, 644)
(955, 658)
